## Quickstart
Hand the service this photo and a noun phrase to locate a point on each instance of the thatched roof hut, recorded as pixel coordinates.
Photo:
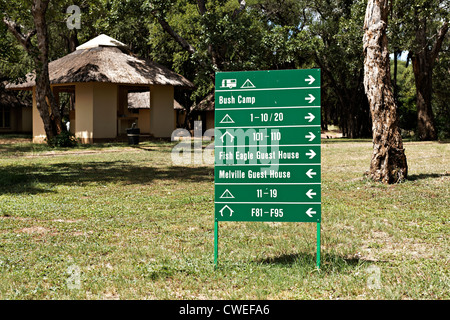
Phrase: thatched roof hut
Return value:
(105, 59)
(101, 73)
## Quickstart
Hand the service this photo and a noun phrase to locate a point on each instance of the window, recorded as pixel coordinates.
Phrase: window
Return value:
(5, 117)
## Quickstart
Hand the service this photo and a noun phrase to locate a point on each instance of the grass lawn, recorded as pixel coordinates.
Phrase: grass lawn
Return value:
(116, 222)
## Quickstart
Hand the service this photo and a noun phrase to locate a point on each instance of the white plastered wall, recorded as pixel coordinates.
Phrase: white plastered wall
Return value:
(38, 125)
(105, 110)
(95, 111)
(162, 117)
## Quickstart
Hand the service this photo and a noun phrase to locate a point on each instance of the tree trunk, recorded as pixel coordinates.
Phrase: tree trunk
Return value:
(423, 78)
(388, 164)
(45, 101)
(42, 107)
(44, 94)
(395, 86)
(423, 60)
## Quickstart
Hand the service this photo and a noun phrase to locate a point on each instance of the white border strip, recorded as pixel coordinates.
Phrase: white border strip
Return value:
(270, 145)
(264, 183)
(266, 164)
(264, 127)
(255, 202)
(296, 107)
(267, 89)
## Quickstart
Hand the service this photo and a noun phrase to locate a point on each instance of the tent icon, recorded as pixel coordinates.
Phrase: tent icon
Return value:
(227, 119)
(227, 195)
(248, 84)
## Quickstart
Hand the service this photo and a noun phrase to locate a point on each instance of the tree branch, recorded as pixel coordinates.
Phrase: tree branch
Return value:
(16, 30)
(236, 12)
(440, 39)
(201, 6)
(181, 41)
(184, 44)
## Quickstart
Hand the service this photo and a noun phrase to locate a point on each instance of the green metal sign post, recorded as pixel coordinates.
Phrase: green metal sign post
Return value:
(267, 148)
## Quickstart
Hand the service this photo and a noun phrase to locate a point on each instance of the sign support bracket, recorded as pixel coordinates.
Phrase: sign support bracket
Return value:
(281, 110)
(216, 242)
(318, 246)
(216, 245)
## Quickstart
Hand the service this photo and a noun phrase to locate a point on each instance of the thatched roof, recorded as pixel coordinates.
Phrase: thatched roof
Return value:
(141, 100)
(207, 104)
(11, 99)
(177, 105)
(104, 60)
(138, 100)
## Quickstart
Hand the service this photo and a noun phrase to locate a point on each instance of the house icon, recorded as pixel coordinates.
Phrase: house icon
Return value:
(223, 210)
(225, 134)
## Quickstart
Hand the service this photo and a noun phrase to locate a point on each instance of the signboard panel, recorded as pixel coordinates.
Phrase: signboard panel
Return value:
(267, 147)
(279, 212)
(289, 97)
(267, 140)
(268, 79)
(260, 174)
(267, 135)
(269, 116)
(239, 193)
(267, 154)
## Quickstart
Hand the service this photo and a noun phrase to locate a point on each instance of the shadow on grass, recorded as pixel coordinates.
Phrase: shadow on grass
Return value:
(344, 140)
(23, 147)
(328, 262)
(17, 179)
(420, 176)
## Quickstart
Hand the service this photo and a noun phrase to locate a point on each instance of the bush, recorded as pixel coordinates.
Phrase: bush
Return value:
(66, 140)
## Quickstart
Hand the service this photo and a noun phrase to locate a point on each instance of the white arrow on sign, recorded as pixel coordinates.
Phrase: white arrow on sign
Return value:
(310, 80)
(310, 117)
(310, 212)
(310, 173)
(232, 137)
(311, 154)
(310, 193)
(311, 98)
(223, 209)
(311, 136)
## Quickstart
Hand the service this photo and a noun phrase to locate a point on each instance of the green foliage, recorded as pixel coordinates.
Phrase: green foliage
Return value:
(268, 34)
(14, 62)
(413, 28)
(441, 95)
(137, 227)
(406, 100)
(64, 140)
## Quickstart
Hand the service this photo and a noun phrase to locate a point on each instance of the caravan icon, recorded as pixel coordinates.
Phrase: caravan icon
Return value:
(229, 83)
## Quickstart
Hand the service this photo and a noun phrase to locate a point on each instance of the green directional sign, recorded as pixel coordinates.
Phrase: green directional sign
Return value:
(267, 154)
(248, 97)
(239, 193)
(288, 116)
(260, 174)
(268, 135)
(281, 212)
(267, 146)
